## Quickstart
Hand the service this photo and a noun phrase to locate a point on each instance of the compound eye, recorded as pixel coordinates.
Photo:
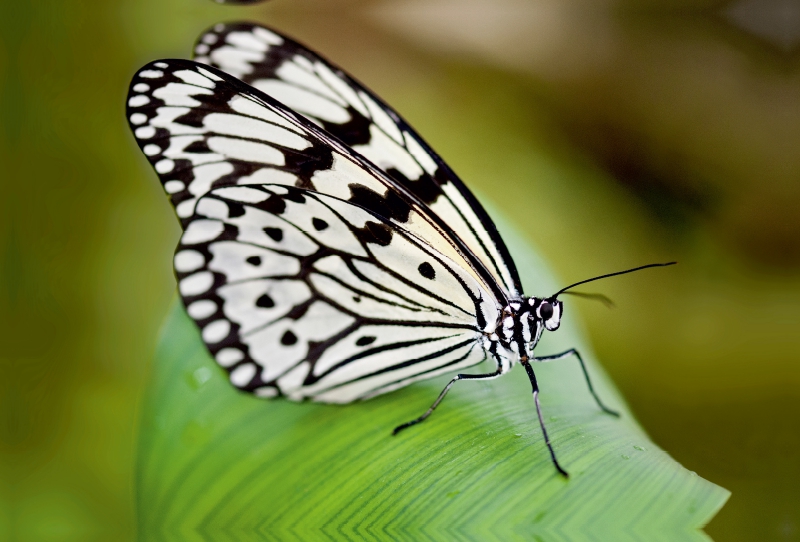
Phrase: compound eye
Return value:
(545, 311)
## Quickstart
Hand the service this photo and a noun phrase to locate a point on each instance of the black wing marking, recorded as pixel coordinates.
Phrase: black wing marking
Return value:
(312, 86)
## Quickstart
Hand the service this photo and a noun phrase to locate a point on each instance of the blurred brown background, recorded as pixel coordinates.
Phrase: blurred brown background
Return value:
(613, 133)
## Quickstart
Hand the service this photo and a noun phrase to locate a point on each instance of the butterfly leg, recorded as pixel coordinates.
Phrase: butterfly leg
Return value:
(574, 352)
(502, 368)
(535, 386)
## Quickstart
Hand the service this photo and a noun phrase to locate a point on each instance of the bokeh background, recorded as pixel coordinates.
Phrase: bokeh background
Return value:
(612, 133)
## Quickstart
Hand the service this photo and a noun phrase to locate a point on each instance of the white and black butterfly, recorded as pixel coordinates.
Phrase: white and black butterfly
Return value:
(328, 253)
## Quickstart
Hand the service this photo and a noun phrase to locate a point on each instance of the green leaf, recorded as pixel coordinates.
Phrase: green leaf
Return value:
(216, 464)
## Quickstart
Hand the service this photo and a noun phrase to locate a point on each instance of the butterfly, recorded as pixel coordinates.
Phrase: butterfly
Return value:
(328, 253)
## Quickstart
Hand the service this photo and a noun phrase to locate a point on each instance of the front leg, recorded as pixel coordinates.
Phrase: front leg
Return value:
(574, 352)
(502, 367)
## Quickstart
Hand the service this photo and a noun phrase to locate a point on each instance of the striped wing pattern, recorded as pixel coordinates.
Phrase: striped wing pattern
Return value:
(313, 87)
(309, 271)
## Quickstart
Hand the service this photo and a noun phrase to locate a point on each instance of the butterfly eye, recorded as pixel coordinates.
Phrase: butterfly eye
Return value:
(546, 311)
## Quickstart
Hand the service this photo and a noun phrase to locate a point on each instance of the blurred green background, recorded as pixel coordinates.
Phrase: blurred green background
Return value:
(613, 133)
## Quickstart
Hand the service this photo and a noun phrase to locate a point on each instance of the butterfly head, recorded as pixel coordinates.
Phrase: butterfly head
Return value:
(548, 311)
(523, 321)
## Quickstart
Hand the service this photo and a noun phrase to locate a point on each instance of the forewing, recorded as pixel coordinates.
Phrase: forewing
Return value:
(306, 295)
(312, 86)
(202, 128)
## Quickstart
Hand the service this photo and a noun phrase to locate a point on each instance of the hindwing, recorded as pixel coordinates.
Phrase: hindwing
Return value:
(309, 296)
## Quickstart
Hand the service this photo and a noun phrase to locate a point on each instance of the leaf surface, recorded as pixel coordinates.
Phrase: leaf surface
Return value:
(217, 464)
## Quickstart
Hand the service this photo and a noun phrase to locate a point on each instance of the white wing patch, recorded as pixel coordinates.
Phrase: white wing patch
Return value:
(336, 180)
(387, 154)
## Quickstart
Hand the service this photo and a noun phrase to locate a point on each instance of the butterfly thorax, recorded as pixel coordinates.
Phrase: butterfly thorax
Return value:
(522, 322)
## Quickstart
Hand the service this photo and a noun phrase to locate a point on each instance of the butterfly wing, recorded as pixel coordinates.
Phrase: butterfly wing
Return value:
(312, 86)
(308, 270)
(306, 295)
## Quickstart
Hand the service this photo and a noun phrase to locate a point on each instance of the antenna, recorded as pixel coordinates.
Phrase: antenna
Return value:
(563, 290)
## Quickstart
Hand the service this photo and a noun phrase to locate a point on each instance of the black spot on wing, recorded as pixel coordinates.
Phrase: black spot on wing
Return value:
(254, 260)
(391, 206)
(364, 341)
(353, 132)
(265, 302)
(288, 338)
(295, 196)
(235, 209)
(198, 147)
(274, 204)
(317, 157)
(374, 232)
(276, 234)
(319, 224)
(427, 271)
(425, 188)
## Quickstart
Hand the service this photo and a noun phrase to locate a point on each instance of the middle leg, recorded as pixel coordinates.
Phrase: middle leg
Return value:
(574, 352)
(502, 368)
